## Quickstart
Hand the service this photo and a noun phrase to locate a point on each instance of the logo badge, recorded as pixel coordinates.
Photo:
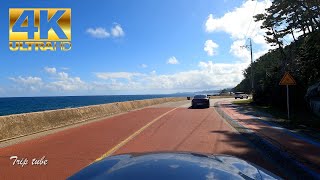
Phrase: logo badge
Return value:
(39, 29)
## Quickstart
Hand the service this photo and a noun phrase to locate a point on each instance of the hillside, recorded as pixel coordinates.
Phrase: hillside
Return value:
(301, 58)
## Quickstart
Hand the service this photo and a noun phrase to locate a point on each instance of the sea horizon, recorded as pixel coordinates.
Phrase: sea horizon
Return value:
(178, 93)
(19, 105)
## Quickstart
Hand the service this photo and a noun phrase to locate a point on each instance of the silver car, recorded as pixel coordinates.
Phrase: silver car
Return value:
(240, 95)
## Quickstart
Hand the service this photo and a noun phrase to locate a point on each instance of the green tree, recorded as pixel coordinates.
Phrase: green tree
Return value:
(301, 58)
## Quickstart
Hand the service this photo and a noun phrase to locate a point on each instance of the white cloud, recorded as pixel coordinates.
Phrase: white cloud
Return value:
(117, 75)
(143, 66)
(32, 83)
(117, 31)
(172, 60)
(26, 80)
(60, 81)
(238, 23)
(50, 70)
(98, 32)
(63, 75)
(239, 51)
(209, 47)
(207, 75)
(66, 83)
(63, 82)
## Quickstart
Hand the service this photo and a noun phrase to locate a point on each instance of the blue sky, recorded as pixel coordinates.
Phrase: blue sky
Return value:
(136, 47)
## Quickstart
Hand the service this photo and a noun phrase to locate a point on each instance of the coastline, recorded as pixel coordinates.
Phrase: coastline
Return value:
(19, 125)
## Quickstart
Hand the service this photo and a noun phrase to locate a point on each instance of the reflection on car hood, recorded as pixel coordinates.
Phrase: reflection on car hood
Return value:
(172, 166)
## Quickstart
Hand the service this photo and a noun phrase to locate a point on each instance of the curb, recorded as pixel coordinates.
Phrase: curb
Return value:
(285, 162)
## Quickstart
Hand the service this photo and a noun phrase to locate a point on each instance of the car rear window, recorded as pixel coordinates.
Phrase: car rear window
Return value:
(239, 93)
(200, 96)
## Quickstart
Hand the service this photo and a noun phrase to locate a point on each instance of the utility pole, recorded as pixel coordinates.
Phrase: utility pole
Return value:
(252, 86)
(251, 68)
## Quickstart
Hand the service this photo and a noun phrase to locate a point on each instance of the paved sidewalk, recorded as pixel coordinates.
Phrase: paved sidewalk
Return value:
(304, 150)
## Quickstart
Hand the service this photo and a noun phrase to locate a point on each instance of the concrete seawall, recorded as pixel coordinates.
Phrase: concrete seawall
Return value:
(18, 125)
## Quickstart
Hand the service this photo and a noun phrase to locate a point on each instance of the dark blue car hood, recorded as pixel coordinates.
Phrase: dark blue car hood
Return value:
(172, 166)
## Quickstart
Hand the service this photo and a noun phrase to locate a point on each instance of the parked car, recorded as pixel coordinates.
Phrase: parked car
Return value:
(313, 98)
(240, 95)
(200, 101)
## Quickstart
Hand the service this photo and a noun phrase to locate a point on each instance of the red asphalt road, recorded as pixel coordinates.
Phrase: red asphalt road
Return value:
(68, 151)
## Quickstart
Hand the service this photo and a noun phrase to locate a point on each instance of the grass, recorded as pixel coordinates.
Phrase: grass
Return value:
(297, 119)
(249, 103)
(302, 122)
(246, 101)
(271, 110)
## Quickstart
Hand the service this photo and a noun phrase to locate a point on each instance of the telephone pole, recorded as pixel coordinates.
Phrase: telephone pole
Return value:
(251, 67)
(252, 86)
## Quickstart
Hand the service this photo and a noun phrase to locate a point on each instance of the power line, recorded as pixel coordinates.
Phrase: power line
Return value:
(254, 10)
(254, 29)
(250, 45)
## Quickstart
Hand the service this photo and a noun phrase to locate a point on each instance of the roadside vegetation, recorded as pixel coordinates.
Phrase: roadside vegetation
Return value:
(246, 101)
(300, 21)
(299, 120)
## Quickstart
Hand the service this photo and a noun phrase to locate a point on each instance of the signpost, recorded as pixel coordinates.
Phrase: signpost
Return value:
(287, 80)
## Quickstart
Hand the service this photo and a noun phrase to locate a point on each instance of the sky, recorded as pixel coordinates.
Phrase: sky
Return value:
(137, 47)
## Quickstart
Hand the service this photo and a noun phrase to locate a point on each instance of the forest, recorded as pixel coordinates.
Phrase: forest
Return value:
(298, 20)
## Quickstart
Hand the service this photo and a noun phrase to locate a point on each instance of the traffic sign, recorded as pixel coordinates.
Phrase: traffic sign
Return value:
(287, 79)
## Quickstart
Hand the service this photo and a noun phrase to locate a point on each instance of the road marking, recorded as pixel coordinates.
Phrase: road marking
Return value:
(122, 143)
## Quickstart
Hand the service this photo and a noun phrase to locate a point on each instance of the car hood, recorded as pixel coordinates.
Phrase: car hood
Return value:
(172, 166)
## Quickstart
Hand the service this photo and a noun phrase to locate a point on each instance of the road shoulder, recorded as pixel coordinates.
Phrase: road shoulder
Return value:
(21, 139)
(283, 151)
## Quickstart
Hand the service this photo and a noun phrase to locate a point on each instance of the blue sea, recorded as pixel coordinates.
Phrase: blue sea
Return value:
(17, 105)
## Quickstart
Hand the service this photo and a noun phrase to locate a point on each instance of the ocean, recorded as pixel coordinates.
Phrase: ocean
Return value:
(18, 105)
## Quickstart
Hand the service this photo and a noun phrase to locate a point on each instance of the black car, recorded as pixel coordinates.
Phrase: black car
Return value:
(182, 165)
(200, 101)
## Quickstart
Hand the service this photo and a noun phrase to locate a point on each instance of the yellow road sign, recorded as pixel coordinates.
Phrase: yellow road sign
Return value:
(287, 79)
